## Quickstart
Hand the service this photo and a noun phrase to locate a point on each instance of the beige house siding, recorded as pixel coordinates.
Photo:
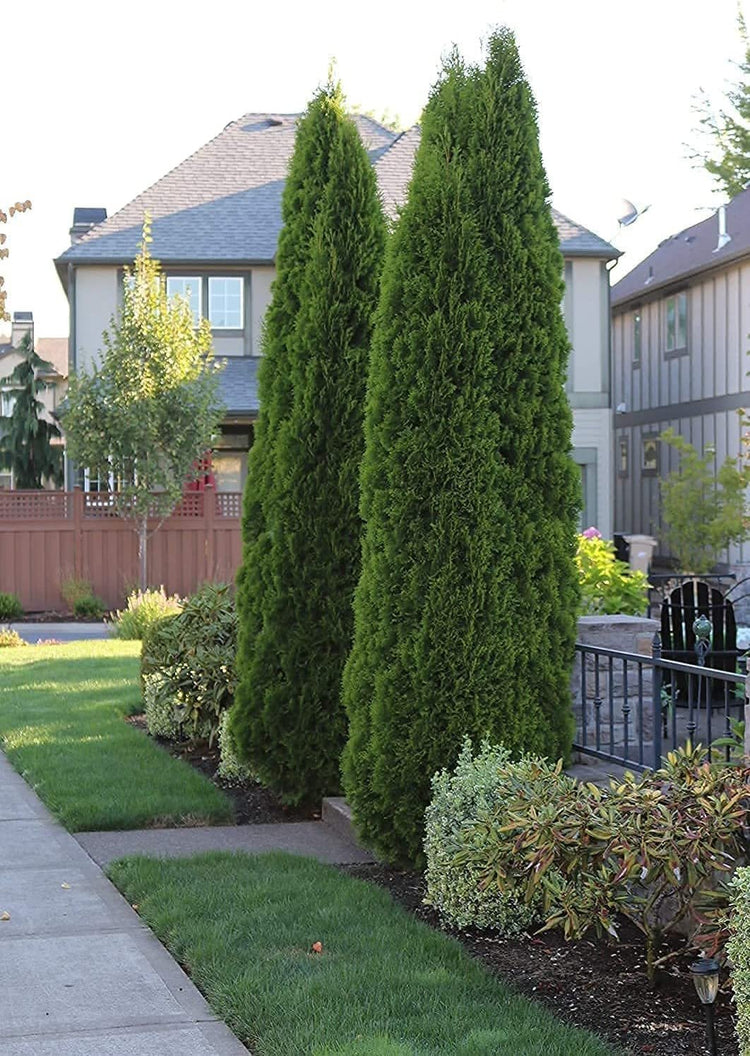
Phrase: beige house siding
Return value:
(96, 295)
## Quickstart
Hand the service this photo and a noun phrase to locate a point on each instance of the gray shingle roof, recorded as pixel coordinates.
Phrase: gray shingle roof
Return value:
(692, 250)
(238, 384)
(223, 203)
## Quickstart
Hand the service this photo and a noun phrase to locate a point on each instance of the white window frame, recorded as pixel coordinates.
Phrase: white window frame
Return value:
(676, 341)
(227, 278)
(185, 280)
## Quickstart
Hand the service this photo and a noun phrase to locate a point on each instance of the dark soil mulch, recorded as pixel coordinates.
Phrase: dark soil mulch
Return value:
(59, 617)
(593, 984)
(253, 804)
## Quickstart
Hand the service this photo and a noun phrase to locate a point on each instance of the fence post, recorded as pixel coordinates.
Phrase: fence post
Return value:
(78, 532)
(209, 517)
(656, 681)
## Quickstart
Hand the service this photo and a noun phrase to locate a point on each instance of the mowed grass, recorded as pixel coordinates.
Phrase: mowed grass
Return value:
(62, 725)
(384, 985)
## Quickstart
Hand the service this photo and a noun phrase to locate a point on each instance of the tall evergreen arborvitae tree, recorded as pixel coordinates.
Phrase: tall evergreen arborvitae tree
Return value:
(289, 722)
(465, 611)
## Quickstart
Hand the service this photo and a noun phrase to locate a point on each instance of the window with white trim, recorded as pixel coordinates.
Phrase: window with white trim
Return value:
(676, 322)
(7, 403)
(225, 302)
(189, 288)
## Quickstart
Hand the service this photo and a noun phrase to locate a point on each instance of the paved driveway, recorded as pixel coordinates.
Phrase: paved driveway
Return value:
(61, 632)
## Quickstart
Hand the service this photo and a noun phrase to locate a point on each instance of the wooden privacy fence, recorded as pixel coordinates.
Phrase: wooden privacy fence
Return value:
(49, 536)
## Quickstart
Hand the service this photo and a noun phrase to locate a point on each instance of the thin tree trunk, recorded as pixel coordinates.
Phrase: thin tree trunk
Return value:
(142, 544)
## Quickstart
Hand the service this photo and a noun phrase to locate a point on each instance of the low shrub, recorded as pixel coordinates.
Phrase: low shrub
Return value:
(651, 849)
(230, 766)
(143, 609)
(193, 655)
(90, 608)
(738, 950)
(9, 638)
(608, 586)
(478, 787)
(10, 607)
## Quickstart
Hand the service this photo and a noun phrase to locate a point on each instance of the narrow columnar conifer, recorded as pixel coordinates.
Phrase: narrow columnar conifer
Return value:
(466, 606)
(289, 722)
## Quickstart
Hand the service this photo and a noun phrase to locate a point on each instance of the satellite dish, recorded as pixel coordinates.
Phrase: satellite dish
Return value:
(628, 213)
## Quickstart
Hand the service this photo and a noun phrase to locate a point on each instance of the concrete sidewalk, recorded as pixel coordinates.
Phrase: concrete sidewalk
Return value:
(79, 974)
(314, 839)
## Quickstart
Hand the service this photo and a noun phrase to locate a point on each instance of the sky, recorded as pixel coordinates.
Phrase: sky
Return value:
(100, 100)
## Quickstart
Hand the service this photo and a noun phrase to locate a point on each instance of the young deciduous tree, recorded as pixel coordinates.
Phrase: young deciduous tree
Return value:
(702, 511)
(725, 153)
(148, 413)
(289, 721)
(17, 207)
(465, 612)
(26, 436)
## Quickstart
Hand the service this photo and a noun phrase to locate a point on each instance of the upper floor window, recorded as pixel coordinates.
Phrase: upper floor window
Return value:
(637, 338)
(225, 302)
(676, 315)
(7, 403)
(188, 287)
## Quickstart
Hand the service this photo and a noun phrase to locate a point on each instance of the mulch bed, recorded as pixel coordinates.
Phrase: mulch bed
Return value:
(253, 804)
(592, 984)
(58, 617)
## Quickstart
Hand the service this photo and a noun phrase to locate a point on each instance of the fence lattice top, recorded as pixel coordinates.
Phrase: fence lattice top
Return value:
(101, 505)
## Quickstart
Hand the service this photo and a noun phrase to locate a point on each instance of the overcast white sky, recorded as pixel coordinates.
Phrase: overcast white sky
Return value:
(101, 99)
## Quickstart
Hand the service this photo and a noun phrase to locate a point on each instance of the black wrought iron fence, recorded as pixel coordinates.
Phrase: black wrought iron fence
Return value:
(631, 709)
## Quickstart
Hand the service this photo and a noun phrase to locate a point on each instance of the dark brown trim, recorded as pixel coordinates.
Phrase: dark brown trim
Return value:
(690, 409)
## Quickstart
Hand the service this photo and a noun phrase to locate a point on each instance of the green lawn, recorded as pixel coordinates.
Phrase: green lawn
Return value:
(62, 726)
(384, 985)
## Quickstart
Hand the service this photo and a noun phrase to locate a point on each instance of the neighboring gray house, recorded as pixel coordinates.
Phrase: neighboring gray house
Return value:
(680, 325)
(215, 224)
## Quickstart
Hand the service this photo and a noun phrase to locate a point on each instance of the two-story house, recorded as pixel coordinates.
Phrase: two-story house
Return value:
(680, 326)
(215, 223)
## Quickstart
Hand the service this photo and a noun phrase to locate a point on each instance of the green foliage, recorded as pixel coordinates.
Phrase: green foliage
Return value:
(289, 723)
(10, 638)
(465, 613)
(231, 767)
(726, 129)
(188, 666)
(608, 585)
(738, 951)
(10, 607)
(78, 595)
(91, 608)
(143, 609)
(150, 410)
(460, 801)
(650, 849)
(702, 511)
(26, 438)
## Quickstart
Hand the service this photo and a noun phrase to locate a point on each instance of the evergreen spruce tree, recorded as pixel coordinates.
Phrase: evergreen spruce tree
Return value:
(466, 607)
(289, 722)
(27, 438)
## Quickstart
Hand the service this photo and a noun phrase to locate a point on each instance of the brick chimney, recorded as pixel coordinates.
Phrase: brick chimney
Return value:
(22, 324)
(83, 221)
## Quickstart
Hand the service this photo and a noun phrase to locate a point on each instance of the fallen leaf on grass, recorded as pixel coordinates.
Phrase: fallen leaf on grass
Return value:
(317, 947)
